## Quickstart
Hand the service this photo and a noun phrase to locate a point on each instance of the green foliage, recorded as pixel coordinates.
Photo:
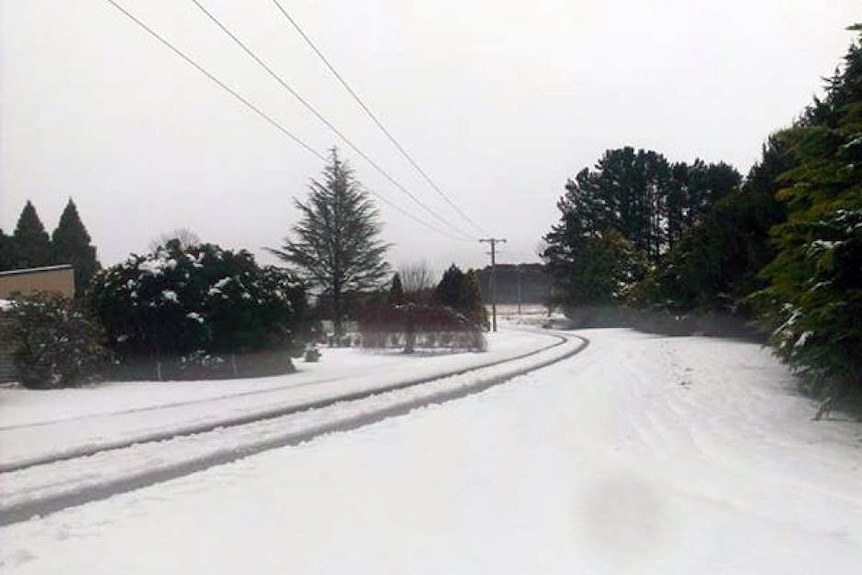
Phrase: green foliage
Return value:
(31, 245)
(595, 270)
(620, 219)
(716, 263)
(461, 292)
(54, 343)
(71, 245)
(813, 302)
(182, 300)
(336, 248)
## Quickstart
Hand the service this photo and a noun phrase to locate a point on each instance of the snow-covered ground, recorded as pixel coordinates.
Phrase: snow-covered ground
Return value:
(35, 425)
(639, 455)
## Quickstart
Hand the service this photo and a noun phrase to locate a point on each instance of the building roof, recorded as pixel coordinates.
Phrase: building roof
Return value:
(36, 270)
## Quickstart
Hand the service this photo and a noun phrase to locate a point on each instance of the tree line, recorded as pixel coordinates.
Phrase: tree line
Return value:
(30, 246)
(781, 246)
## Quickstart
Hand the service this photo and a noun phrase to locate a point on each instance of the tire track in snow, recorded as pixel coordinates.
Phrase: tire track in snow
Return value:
(40, 506)
(238, 420)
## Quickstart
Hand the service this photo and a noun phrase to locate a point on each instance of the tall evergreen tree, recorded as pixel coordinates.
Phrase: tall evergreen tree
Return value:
(815, 281)
(714, 263)
(31, 245)
(71, 245)
(623, 217)
(462, 293)
(450, 291)
(336, 246)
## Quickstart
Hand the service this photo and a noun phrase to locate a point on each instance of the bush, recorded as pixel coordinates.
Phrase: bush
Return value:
(414, 326)
(201, 299)
(54, 343)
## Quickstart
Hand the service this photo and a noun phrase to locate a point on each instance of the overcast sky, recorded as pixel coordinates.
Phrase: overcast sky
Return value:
(499, 101)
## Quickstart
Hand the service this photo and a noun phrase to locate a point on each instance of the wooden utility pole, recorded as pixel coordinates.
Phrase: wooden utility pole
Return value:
(493, 242)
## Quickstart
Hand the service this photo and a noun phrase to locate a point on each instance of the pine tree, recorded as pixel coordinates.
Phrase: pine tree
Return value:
(31, 245)
(71, 245)
(462, 293)
(450, 291)
(815, 289)
(623, 217)
(336, 246)
(714, 264)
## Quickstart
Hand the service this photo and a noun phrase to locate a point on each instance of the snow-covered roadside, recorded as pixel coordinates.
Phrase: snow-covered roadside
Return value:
(640, 455)
(39, 424)
(48, 487)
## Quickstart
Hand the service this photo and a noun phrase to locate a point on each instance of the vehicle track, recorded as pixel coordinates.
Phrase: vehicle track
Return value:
(389, 405)
(233, 421)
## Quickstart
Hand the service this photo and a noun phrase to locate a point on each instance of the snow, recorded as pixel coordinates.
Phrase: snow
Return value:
(639, 455)
(74, 476)
(37, 425)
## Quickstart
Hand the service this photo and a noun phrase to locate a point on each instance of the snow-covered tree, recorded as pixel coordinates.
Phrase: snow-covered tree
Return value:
(176, 301)
(815, 289)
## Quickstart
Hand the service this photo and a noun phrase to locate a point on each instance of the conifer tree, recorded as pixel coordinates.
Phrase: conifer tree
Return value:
(815, 290)
(462, 293)
(335, 246)
(450, 290)
(71, 245)
(31, 245)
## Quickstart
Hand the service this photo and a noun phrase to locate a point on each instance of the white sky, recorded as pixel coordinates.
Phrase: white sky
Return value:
(499, 101)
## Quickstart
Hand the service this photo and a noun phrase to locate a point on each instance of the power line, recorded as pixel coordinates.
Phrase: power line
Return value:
(374, 117)
(261, 113)
(218, 82)
(249, 52)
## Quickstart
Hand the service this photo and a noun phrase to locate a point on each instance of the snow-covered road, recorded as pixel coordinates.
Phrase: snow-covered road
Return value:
(35, 427)
(103, 470)
(640, 455)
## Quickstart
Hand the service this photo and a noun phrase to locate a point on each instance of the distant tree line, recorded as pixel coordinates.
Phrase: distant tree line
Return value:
(782, 245)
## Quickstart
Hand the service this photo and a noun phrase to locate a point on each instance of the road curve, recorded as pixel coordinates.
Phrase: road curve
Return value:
(342, 413)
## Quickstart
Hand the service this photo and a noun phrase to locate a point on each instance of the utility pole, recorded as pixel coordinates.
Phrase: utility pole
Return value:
(493, 242)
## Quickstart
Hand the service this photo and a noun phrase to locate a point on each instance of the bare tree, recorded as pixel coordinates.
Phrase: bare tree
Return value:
(417, 280)
(185, 236)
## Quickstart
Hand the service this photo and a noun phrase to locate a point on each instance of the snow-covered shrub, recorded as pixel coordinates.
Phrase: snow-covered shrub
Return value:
(201, 299)
(54, 343)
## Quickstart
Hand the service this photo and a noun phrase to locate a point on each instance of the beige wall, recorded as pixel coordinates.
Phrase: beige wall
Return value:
(60, 280)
